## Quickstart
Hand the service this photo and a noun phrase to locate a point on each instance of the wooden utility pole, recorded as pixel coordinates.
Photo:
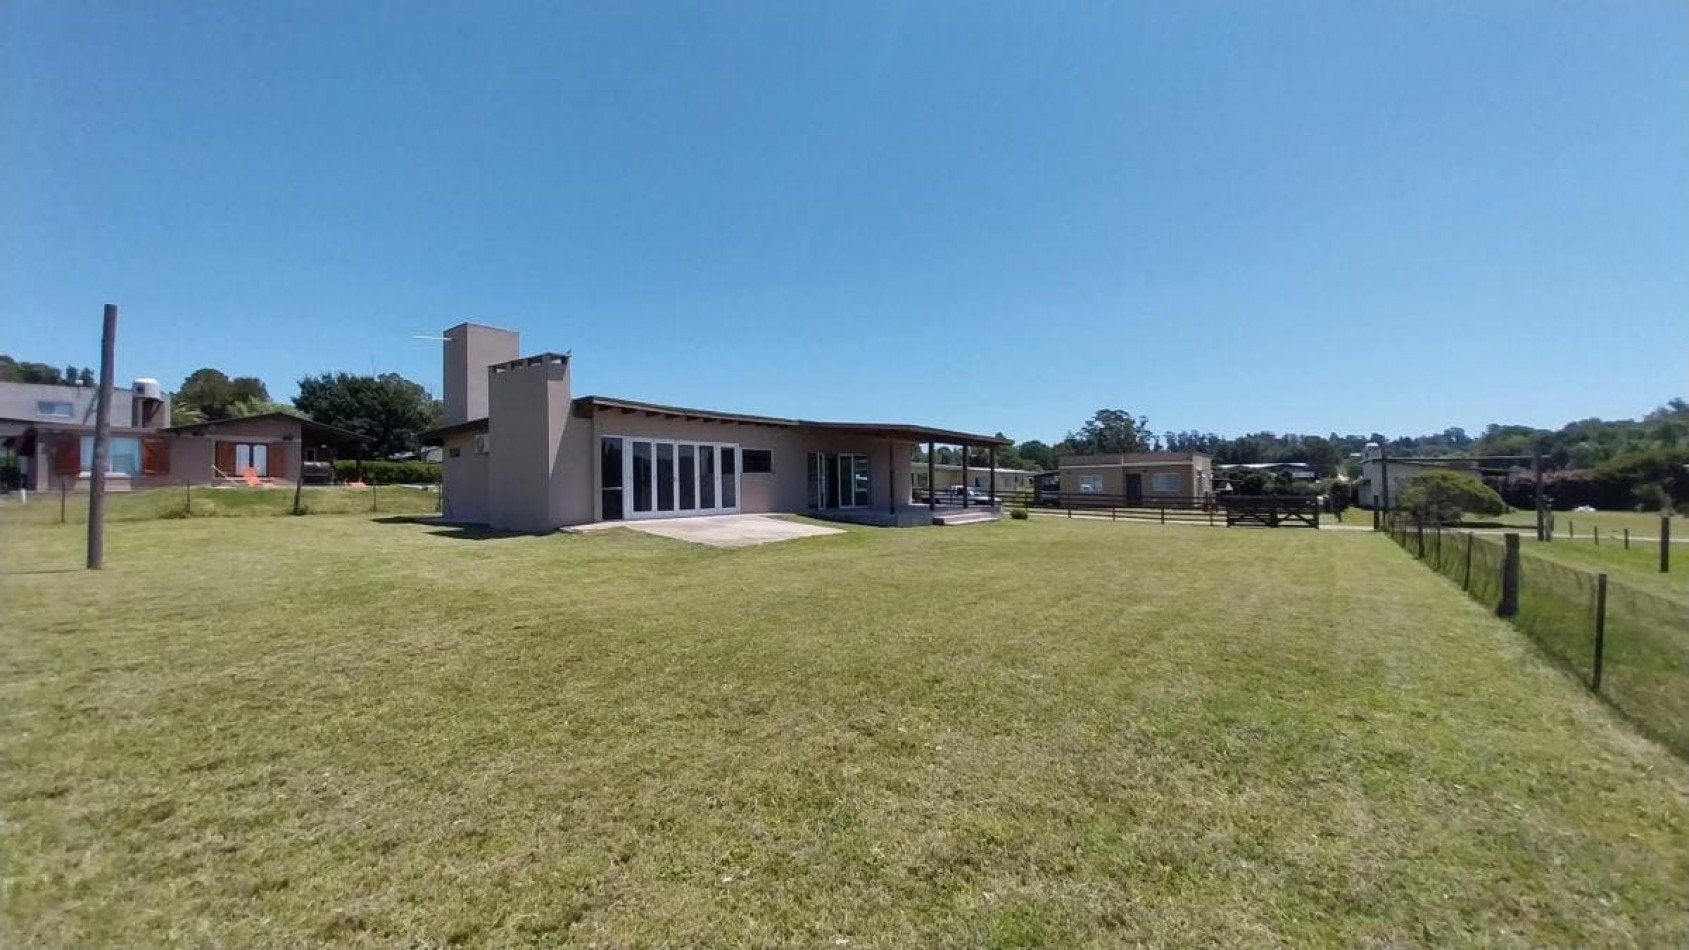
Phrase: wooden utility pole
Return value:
(102, 443)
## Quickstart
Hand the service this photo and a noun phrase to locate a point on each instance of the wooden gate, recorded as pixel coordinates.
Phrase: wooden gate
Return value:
(1272, 511)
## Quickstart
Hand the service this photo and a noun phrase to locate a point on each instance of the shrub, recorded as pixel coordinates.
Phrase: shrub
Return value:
(388, 473)
(1019, 514)
(1441, 497)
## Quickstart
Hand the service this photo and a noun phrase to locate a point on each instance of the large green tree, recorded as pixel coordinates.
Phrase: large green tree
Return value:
(390, 410)
(1111, 430)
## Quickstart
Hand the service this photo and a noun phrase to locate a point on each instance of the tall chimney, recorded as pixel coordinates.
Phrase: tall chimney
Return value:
(469, 349)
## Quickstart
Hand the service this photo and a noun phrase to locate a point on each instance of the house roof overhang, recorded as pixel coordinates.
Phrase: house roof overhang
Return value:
(440, 435)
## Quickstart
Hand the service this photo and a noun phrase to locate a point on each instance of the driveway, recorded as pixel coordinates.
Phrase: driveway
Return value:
(729, 531)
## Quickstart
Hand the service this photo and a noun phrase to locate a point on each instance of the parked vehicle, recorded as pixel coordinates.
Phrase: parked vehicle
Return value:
(974, 496)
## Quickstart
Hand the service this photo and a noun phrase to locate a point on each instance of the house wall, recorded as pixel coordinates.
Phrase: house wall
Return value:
(786, 489)
(527, 409)
(464, 480)
(1194, 479)
(193, 455)
(19, 401)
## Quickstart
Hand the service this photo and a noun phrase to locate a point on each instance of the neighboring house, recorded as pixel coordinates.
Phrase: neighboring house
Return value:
(523, 453)
(1296, 471)
(948, 476)
(49, 430)
(1370, 489)
(1138, 476)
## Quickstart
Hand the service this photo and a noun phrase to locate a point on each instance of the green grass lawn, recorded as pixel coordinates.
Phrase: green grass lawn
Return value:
(340, 731)
(1638, 567)
(220, 502)
(1581, 524)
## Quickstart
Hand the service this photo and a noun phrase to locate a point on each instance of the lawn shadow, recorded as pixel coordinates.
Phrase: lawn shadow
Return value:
(457, 531)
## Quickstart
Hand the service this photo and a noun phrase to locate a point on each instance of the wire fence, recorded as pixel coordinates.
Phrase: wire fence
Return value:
(1628, 645)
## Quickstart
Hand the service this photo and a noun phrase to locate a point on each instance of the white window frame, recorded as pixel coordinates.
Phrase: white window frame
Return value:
(628, 491)
(1090, 484)
(87, 449)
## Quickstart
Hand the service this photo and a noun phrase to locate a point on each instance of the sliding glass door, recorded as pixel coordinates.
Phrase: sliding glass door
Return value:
(664, 478)
(838, 480)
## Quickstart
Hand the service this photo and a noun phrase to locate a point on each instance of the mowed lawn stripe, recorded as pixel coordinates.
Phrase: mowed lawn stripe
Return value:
(344, 731)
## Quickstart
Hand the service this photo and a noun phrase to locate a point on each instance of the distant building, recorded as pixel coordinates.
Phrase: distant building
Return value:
(1138, 476)
(47, 434)
(1296, 471)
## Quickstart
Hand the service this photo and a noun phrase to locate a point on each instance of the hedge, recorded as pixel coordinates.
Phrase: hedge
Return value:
(388, 473)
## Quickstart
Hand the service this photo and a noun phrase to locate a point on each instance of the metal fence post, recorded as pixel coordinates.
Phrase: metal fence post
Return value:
(1466, 575)
(1509, 577)
(1597, 535)
(1163, 514)
(64, 490)
(1600, 630)
(1571, 529)
(1627, 539)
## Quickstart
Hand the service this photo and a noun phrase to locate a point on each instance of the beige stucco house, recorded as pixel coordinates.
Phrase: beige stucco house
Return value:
(524, 453)
(1132, 477)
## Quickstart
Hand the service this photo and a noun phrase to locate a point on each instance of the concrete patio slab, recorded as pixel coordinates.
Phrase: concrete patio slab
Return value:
(729, 531)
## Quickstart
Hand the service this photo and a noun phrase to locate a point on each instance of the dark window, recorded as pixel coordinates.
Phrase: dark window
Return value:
(688, 477)
(57, 410)
(729, 483)
(706, 476)
(610, 478)
(759, 461)
(642, 476)
(665, 476)
(454, 452)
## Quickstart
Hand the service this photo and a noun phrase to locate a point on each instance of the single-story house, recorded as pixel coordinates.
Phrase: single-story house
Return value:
(947, 475)
(49, 433)
(523, 453)
(1371, 490)
(1138, 476)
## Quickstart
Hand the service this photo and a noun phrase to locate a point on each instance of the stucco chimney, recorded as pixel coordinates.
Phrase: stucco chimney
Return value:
(469, 349)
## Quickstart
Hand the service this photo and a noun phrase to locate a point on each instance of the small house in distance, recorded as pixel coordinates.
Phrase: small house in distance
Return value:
(1138, 476)
(47, 440)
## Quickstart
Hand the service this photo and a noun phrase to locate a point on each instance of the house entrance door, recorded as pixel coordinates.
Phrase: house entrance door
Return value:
(1134, 488)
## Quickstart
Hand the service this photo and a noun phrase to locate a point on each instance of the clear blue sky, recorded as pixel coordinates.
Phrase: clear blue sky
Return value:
(1227, 216)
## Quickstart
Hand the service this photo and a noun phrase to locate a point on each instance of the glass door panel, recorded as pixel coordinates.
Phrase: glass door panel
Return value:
(860, 483)
(642, 474)
(610, 479)
(665, 476)
(706, 476)
(688, 475)
(729, 476)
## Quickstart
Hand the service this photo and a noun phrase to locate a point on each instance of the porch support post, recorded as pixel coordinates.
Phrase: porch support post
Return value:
(891, 478)
(932, 477)
(991, 489)
(964, 476)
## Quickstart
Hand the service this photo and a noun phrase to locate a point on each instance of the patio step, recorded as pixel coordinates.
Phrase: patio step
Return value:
(951, 519)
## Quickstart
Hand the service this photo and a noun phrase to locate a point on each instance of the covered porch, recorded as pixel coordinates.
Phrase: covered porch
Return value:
(830, 476)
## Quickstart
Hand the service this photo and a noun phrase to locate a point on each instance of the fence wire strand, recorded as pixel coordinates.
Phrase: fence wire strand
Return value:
(1645, 649)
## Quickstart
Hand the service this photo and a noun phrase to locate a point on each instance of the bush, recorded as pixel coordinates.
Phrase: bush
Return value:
(1019, 514)
(388, 473)
(1442, 497)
